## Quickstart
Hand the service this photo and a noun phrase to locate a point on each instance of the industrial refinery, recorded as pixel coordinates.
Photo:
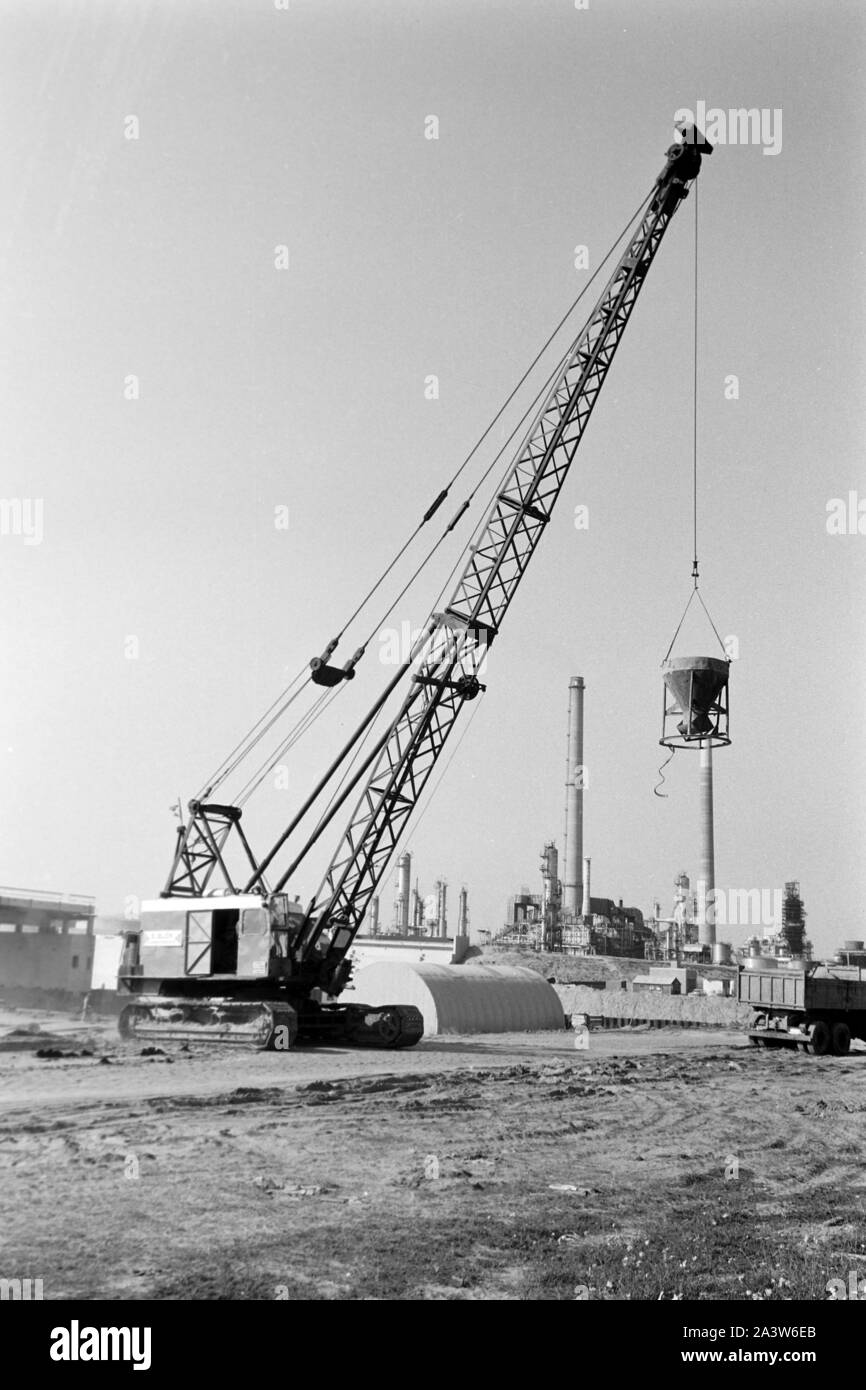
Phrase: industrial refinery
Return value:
(416, 913)
(409, 411)
(564, 916)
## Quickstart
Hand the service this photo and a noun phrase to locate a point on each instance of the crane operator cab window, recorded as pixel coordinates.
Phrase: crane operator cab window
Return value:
(284, 927)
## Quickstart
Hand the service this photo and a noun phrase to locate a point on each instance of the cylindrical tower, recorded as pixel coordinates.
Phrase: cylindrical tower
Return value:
(586, 905)
(706, 883)
(572, 887)
(404, 885)
(441, 916)
(374, 916)
(463, 914)
(549, 875)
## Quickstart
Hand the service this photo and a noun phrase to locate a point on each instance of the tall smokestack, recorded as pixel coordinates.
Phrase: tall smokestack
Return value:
(463, 914)
(707, 865)
(404, 886)
(572, 893)
(586, 907)
(374, 916)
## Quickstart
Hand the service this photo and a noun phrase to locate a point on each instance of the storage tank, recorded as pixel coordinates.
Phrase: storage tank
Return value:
(761, 963)
(721, 953)
(463, 998)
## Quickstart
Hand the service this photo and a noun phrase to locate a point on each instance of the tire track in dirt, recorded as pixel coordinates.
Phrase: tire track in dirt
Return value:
(337, 1170)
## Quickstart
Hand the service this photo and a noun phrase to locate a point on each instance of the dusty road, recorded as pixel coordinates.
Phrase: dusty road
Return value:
(657, 1164)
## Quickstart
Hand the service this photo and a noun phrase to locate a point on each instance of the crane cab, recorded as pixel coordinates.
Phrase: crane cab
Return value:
(236, 936)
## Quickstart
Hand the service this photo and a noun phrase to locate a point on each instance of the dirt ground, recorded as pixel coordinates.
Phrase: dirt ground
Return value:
(654, 1165)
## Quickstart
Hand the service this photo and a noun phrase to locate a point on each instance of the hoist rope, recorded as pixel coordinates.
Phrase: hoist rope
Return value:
(696, 593)
(286, 698)
(235, 756)
(695, 577)
(338, 795)
(433, 549)
(695, 405)
(532, 406)
(297, 731)
(433, 508)
(440, 779)
(262, 733)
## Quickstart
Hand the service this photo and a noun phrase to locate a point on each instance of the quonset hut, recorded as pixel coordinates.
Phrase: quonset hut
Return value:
(464, 998)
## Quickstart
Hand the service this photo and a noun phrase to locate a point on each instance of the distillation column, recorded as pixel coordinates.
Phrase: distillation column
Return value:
(441, 915)
(404, 888)
(572, 887)
(463, 916)
(586, 905)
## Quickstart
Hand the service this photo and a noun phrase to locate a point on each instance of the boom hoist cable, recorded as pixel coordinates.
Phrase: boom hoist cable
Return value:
(198, 846)
(326, 698)
(265, 724)
(695, 574)
(322, 673)
(447, 676)
(533, 404)
(454, 643)
(245, 745)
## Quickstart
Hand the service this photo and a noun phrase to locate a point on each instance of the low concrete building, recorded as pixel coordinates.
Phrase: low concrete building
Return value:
(46, 941)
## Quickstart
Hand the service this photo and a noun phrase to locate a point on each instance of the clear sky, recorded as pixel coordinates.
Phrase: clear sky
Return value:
(261, 388)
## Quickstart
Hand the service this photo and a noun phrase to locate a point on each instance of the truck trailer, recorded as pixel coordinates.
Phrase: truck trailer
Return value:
(817, 1007)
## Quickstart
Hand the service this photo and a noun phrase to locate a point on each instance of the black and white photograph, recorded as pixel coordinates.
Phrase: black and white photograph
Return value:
(433, 552)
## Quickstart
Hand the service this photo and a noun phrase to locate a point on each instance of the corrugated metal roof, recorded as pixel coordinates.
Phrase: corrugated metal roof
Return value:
(464, 998)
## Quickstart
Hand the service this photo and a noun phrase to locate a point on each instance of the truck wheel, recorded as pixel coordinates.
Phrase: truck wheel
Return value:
(820, 1038)
(841, 1039)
